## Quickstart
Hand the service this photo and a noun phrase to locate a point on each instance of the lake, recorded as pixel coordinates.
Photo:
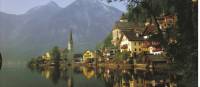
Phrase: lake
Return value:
(55, 76)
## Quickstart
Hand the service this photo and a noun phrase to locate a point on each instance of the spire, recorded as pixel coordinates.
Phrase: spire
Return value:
(70, 42)
(70, 54)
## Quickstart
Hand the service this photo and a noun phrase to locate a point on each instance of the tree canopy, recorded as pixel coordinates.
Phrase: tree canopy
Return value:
(56, 53)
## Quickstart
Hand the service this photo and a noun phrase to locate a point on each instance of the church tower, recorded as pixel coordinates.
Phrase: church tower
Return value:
(70, 61)
(70, 54)
(70, 42)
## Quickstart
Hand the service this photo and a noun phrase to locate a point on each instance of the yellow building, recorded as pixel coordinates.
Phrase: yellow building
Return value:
(122, 25)
(46, 56)
(88, 55)
(130, 36)
(133, 42)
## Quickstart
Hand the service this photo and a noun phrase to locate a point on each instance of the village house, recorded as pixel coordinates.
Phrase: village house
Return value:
(152, 44)
(166, 21)
(167, 24)
(133, 42)
(123, 25)
(117, 31)
(46, 56)
(135, 38)
(88, 56)
(127, 36)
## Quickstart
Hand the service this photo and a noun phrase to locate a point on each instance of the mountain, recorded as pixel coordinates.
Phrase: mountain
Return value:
(41, 28)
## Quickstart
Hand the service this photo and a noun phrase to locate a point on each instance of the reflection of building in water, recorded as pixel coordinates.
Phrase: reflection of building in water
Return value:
(131, 78)
(114, 77)
(146, 79)
(70, 77)
(70, 82)
(51, 73)
(88, 73)
(46, 73)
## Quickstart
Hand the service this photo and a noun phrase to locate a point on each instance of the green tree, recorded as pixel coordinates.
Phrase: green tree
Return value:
(56, 53)
(64, 54)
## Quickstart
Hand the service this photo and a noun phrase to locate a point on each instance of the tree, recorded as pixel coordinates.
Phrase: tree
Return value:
(64, 54)
(56, 53)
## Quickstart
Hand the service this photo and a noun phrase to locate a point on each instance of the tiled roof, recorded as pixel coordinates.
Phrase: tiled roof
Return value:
(131, 35)
(150, 29)
(128, 26)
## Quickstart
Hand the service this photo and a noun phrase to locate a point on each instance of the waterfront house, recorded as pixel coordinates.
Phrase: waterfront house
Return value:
(46, 56)
(135, 37)
(127, 36)
(123, 25)
(133, 42)
(117, 31)
(88, 56)
(151, 40)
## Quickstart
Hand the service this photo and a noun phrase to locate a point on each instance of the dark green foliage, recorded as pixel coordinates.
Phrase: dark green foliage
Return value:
(136, 14)
(120, 56)
(64, 54)
(107, 41)
(56, 53)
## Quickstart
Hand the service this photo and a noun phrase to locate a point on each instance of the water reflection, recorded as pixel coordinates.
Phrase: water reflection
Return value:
(111, 77)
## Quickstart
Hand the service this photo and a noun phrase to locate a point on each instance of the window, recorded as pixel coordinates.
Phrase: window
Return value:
(139, 49)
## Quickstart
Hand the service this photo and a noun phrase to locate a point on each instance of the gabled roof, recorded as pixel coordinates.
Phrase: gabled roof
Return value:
(150, 29)
(127, 26)
(131, 36)
(123, 25)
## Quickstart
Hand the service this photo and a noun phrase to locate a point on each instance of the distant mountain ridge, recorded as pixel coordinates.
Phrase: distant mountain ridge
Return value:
(43, 27)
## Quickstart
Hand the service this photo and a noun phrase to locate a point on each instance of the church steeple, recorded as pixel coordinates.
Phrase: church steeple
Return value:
(70, 49)
(70, 42)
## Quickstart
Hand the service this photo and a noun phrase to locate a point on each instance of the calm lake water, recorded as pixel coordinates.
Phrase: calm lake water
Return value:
(53, 76)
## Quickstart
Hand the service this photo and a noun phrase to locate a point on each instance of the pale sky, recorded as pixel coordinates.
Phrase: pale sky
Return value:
(22, 6)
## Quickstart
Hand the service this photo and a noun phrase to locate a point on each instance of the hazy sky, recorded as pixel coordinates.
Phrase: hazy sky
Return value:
(22, 6)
